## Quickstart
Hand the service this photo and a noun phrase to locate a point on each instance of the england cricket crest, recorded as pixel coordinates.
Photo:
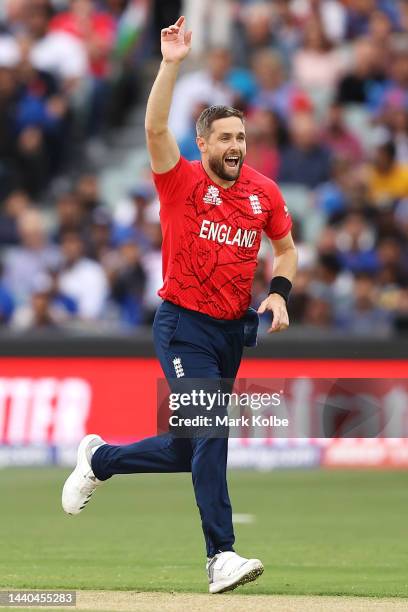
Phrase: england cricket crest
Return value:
(255, 204)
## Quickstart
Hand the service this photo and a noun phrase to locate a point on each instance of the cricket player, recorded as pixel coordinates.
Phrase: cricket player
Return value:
(213, 213)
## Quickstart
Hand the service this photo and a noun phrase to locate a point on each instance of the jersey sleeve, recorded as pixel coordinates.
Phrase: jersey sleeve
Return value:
(172, 184)
(280, 222)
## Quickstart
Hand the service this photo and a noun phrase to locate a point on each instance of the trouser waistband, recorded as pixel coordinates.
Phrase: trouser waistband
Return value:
(233, 324)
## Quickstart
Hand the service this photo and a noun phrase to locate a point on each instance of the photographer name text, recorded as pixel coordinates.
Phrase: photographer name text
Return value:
(226, 421)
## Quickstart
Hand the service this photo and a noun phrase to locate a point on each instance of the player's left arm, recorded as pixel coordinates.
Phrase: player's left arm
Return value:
(284, 270)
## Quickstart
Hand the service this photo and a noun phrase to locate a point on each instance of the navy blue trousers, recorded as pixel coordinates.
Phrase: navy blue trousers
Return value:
(207, 349)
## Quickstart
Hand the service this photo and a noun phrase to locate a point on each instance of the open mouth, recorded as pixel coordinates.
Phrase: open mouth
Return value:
(232, 161)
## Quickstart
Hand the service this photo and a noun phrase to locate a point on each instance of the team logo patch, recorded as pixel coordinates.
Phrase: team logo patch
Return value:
(255, 204)
(178, 367)
(212, 196)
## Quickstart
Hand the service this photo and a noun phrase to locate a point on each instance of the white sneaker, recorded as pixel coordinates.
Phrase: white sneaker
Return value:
(227, 570)
(82, 482)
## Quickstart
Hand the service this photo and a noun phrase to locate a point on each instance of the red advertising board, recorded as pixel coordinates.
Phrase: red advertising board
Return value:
(56, 401)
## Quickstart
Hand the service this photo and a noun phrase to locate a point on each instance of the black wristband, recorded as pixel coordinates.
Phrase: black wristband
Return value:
(282, 286)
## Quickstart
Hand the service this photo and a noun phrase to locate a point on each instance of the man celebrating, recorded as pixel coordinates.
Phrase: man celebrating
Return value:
(212, 213)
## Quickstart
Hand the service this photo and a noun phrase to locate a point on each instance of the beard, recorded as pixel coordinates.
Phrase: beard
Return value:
(219, 167)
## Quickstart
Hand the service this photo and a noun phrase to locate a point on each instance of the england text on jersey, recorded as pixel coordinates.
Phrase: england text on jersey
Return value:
(226, 234)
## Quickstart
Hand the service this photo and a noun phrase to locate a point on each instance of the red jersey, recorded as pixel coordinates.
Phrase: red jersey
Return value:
(212, 235)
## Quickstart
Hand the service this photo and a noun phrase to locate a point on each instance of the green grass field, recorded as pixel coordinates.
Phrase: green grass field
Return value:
(316, 532)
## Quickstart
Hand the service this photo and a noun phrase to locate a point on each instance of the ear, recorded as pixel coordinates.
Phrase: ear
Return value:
(201, 144)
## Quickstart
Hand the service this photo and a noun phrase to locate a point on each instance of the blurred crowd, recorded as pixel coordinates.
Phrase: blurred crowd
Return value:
(324, 87)
(67, 75)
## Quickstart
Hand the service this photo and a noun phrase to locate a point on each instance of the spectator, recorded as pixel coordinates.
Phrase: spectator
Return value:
(364, 316)
(33, 256)
(55, 51)
(387, 179)
(287, 32)
(316, 63)
(131, 210)
(15, 204)
(38, 313)
(275, 92)
(42, 106)
(318, 313)
(133, 213)
(208, 85)
(94, 28)
(24, 122)
(332, 284)
(87, 191)
(331, 13)
(395, 92)
(82, 279)
(356, 244)
(338, 138)
(345, 192)
(262, 132)
(211, 22)
(253, 31)
(129, 280)
(69, 214)
(327, 241)
(99, 239)
(367, 79)
(332, 197)
(304, 161)
(393, 260)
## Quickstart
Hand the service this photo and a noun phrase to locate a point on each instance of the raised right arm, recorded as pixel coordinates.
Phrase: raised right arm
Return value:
(163, 149)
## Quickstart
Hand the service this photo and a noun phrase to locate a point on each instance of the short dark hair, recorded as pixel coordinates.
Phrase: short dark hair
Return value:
(211, 114)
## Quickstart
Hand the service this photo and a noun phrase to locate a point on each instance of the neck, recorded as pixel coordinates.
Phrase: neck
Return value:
(215, 178)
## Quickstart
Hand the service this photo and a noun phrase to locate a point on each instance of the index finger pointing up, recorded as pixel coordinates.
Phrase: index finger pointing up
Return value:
(180, 21)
